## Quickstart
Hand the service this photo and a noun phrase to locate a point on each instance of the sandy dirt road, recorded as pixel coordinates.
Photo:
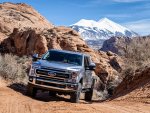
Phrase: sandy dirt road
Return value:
(13, 101)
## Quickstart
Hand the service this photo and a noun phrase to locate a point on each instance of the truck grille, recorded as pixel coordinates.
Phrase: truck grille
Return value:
(58, 73)
(52, 79)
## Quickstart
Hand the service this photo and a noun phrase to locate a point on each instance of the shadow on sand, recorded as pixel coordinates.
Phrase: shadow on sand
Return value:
(41, 96)
(44, 96)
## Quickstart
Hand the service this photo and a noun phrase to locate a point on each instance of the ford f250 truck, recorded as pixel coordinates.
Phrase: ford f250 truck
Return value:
(62, 72)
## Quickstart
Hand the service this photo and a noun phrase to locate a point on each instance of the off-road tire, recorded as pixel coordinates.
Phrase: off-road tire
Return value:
(31, 91)
(75, 96)
(89, 94)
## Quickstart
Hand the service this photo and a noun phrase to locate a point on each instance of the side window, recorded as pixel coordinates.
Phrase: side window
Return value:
(86, 61)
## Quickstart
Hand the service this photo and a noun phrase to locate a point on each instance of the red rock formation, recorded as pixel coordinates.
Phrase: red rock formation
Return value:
(20, 16)
(135, 86)
(25, 43)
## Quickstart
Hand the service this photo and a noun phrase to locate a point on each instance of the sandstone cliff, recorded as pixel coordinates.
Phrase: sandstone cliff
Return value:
(116, 45)
(20, 16)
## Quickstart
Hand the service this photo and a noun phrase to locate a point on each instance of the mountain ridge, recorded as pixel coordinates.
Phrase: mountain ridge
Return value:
(98, 31)
(102, 29)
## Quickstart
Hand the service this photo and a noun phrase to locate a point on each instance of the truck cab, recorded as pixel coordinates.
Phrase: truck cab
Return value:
(62, 72)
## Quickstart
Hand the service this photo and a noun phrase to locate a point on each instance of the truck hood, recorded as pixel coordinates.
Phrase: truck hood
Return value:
(60, 65)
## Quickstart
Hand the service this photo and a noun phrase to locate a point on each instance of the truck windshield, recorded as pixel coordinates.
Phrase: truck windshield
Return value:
(63, 57)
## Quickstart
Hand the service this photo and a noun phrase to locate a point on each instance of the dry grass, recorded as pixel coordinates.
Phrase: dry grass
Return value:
(138, 51)
(13, 68)
(137, 55)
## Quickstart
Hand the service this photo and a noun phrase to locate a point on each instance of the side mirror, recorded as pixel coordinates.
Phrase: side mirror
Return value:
(92, 67)
(35, 57)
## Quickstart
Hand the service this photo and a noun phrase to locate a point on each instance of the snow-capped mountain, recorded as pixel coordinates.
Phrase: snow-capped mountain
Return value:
(94, 31)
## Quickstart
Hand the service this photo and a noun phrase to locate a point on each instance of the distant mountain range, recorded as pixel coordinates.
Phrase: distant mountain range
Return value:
(94, 33)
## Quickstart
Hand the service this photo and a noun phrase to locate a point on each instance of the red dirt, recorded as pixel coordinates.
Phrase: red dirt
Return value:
(13, 101)
(135, 87)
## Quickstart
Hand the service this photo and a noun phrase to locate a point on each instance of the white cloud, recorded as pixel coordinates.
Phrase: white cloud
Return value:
(128, 1)
(142, 27)
(117, 15)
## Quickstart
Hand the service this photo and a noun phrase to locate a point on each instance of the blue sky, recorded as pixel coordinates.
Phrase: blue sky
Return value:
(134, 14)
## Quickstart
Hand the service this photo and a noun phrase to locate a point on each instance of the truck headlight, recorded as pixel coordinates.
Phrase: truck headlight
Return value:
(36, 66)
(33, 68)
(32, 72)
(74, 75)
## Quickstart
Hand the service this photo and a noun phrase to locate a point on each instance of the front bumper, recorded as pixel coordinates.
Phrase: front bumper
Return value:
(53, 85)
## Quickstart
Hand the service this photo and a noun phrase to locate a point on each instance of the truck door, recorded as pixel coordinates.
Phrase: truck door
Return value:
(88, 73)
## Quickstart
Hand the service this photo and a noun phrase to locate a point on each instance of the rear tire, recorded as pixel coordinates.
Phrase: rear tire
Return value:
(89, 94)
(31, 91)
(75, 96)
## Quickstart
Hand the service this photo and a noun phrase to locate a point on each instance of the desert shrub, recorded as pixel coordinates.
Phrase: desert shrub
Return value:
(112, 83)
(137, 55)
(102, 95)
(104, 90)
(137, 52)
(13, 68)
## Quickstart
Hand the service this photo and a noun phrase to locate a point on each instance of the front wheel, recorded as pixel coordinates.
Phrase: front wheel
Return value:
(31, 91)
(75, 96)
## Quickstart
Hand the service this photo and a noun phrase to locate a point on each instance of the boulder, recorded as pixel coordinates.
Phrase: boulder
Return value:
(25, 43)
(22, 16)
